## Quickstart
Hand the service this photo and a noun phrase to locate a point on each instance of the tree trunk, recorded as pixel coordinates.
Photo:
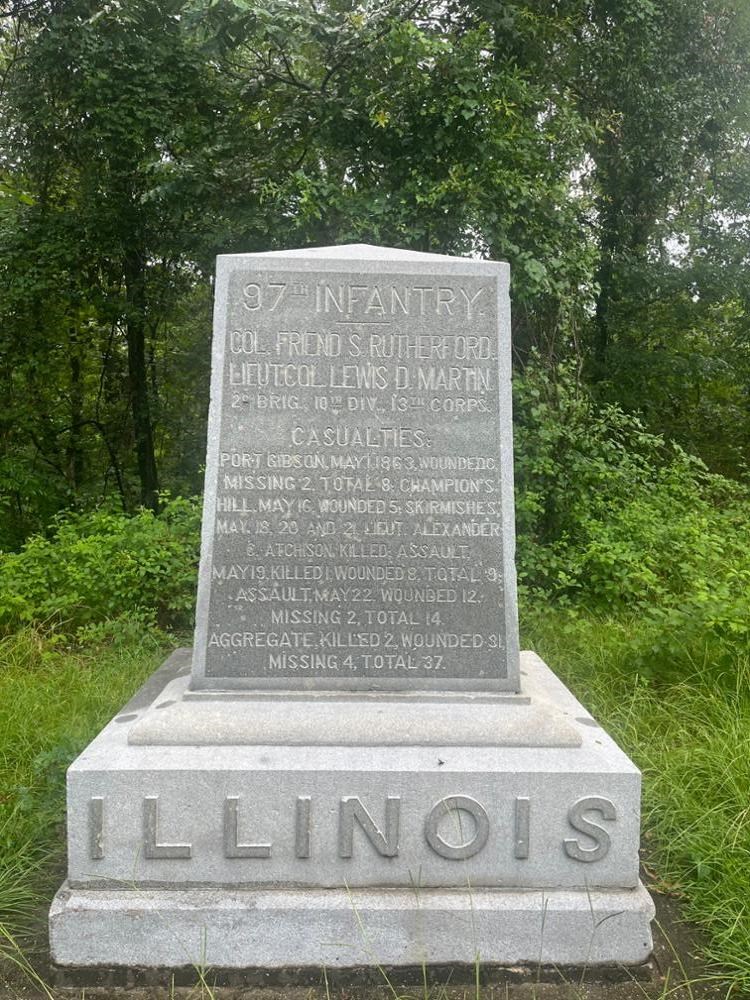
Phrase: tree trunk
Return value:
(75, 454)
(604, 277)
(135, 332)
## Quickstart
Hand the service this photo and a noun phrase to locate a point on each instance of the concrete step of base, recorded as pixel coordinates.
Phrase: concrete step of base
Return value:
(336, 928)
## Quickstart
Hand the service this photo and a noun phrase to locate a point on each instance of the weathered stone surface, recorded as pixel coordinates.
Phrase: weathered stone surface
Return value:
(185, 718)
(340, 929)
(358, 518)
(284, 806)
(351, 750)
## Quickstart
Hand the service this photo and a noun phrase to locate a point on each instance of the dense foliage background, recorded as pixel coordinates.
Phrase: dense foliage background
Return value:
(598, 145)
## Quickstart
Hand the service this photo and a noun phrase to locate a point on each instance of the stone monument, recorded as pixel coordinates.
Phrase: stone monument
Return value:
(354, 765)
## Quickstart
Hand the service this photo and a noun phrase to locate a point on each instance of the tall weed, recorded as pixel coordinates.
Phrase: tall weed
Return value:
(53, 698)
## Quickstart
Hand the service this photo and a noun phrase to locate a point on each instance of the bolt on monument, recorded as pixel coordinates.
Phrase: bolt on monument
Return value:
(355, 764)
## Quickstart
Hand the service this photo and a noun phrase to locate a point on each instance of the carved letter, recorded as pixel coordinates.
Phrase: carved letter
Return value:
(453, 806)
(576, 818)
(231, 848)
(302, 827)
(351, 808)
(521, 828)
(470, 302)
(96, 829)
(151, 849)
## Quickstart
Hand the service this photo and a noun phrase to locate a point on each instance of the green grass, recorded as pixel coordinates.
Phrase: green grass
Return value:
(53, 699)
(691, 739)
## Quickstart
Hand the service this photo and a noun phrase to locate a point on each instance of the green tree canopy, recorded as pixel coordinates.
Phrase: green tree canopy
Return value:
(600, 147)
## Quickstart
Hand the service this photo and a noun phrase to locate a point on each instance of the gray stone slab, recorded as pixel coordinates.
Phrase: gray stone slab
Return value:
(274, 929)
(184, 718)
(291, 816)
(358, 514)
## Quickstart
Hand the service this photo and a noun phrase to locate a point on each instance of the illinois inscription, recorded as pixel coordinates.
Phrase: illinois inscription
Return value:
(356, 483)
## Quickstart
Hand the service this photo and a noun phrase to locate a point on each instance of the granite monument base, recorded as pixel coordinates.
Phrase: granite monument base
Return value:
(333, 928)
(341, 851)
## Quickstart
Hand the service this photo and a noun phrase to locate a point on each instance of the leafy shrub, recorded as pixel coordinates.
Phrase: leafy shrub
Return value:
(575, 466)
(606, 511)
(97, 566)
(614, 520)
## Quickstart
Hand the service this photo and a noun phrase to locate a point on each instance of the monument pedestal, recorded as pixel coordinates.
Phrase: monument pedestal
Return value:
(358, 768)
(333, 928)
(265, 853)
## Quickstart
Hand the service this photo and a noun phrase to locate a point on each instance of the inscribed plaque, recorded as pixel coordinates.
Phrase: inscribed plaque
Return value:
(358, 520)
